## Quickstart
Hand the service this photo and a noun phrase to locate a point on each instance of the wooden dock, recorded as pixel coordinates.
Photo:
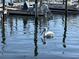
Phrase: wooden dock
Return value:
(55, 8)
(60, 8)
(23, 12)
(19, 11)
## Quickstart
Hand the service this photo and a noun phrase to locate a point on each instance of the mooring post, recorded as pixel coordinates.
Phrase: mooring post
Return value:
(66, 9)
(36, 38)
(36, 4)
(3, 25)
(36, 31)
(66, 13)
(3, 18)
(3, 6)
(66, 5)
(65, 25)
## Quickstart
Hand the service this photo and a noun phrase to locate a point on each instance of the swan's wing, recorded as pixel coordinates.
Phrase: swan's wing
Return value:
(49, 33)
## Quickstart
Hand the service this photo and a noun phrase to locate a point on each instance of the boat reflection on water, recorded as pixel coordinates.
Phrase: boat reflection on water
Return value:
(36, 37)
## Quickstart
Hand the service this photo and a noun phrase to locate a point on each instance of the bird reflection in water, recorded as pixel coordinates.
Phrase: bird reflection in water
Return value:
(43, 40)
(36, 38)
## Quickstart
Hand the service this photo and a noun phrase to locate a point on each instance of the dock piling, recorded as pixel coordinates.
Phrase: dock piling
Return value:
(36, 4)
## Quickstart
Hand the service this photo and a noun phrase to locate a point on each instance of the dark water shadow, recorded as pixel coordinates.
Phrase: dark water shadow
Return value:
(16, 23)
(3, 29)
(25, 21)
(3, 33)
(11, 25)
(36, 37)
(65, 32)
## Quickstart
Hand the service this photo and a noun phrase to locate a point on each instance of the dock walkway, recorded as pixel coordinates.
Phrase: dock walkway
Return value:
(55, 8)
(23, 12)
(61, 8)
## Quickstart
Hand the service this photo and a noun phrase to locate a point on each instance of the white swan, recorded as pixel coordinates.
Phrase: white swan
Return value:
(47, 34)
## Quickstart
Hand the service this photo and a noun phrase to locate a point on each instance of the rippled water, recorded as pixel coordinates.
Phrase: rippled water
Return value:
(21, 37)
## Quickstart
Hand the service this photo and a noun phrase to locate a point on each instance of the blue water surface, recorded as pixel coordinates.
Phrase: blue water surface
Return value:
(18, 39)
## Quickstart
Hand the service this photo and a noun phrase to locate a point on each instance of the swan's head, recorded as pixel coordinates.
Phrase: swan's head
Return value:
(45, 29)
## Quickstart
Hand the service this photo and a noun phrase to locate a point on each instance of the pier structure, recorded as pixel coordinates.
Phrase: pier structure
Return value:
(53, 5)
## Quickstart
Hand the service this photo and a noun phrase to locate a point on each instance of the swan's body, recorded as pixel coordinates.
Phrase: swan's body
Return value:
(48, 34)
